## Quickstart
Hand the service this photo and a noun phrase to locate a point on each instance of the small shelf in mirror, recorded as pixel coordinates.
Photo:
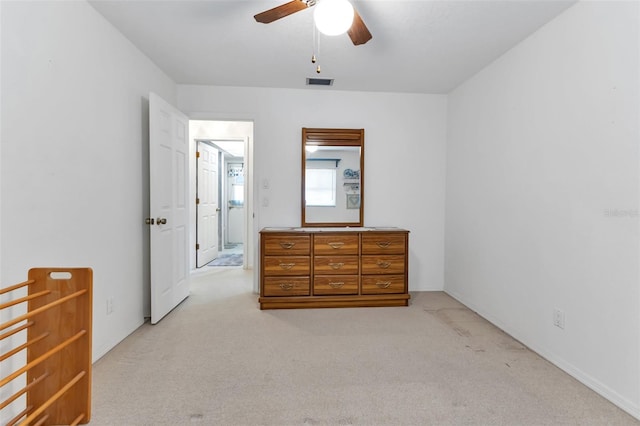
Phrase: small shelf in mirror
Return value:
(330, 160)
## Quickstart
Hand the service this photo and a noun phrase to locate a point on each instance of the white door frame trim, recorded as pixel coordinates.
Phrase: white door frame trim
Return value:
(250, 214)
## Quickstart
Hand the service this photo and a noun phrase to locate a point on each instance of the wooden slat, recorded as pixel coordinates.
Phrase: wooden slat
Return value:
(22, 391)
(16, 286)
(24, 299)
(348, 137)
(23, 346)
(42, 358)
(16, 330)
(54, 398)
(40, 310)
(40, 421)
(77, 420)
(20, 415)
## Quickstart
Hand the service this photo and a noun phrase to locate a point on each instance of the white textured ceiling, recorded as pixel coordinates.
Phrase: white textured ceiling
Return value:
(417, 46)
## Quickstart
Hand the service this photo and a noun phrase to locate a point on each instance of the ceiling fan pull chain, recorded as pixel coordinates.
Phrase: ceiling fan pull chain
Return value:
(314, 59)
(318, 38)
(313, 33)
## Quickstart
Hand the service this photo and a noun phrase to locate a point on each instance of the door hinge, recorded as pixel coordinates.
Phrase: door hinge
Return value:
(197, 246)
(197, 154)
(197, 200)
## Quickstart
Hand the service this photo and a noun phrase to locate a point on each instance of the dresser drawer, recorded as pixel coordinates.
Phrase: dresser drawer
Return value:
(335, 284)
(387, 243)
(328, 265)
(381, 264)
(286, 245)
(328, 244)
(286, 265)
(383, 284)
(286, 286)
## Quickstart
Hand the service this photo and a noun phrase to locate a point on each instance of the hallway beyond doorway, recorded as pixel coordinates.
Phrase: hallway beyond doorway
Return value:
(232, 189)
(232, 255)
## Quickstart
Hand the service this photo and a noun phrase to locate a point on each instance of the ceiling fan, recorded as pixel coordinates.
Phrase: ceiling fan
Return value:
(358, 32)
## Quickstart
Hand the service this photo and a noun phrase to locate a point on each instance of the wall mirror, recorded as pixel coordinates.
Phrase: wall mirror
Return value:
(332, 177)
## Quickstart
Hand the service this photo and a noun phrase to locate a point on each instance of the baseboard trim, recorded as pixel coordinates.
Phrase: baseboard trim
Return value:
(587, 380)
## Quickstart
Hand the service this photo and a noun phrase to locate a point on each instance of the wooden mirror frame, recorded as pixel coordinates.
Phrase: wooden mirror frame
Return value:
(332, 137)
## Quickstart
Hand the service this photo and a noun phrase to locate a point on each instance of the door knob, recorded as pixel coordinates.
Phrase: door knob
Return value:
(161, 221)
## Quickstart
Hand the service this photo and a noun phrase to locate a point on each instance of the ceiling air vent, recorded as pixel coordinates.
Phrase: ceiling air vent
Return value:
(319, 82)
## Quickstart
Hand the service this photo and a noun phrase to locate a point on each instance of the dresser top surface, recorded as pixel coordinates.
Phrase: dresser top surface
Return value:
(313, 230)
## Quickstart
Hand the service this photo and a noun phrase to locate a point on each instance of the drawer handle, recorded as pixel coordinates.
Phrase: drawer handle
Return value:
(383, 264)
(383, 244)
(336, 265)
(383, 284)
(286, 286)
(338, 284)
(335, 245)
(287, 266)
(287, 246)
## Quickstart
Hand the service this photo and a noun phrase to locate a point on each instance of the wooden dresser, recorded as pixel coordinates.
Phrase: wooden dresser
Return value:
(333, 267)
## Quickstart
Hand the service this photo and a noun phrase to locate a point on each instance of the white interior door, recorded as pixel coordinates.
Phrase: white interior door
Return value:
(207, 204)
(168, 161)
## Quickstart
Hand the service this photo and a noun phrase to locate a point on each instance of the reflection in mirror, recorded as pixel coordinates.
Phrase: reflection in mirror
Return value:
(332, 177)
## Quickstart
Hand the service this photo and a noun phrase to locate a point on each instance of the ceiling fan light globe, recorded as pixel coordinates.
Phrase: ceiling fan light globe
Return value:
(333, 17)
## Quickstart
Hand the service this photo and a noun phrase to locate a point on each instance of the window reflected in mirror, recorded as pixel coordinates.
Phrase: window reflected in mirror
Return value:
(320, 186)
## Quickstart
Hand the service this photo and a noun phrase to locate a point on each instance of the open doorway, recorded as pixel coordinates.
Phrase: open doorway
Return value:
(222, 187)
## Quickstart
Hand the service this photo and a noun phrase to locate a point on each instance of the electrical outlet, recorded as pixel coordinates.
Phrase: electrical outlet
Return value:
(109, 305)
(558, 318)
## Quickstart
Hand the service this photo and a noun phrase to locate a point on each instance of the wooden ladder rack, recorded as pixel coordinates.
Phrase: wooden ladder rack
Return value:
(57, 324)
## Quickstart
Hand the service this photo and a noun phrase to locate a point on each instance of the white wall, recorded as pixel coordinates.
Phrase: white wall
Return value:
(542, 195)
(404, 155)
(74, 155)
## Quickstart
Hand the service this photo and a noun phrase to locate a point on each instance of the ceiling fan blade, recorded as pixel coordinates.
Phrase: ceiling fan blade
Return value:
(359, 33)
(281, 11)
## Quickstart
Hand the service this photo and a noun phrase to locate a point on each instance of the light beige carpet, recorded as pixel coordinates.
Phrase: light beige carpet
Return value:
(218, 360)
